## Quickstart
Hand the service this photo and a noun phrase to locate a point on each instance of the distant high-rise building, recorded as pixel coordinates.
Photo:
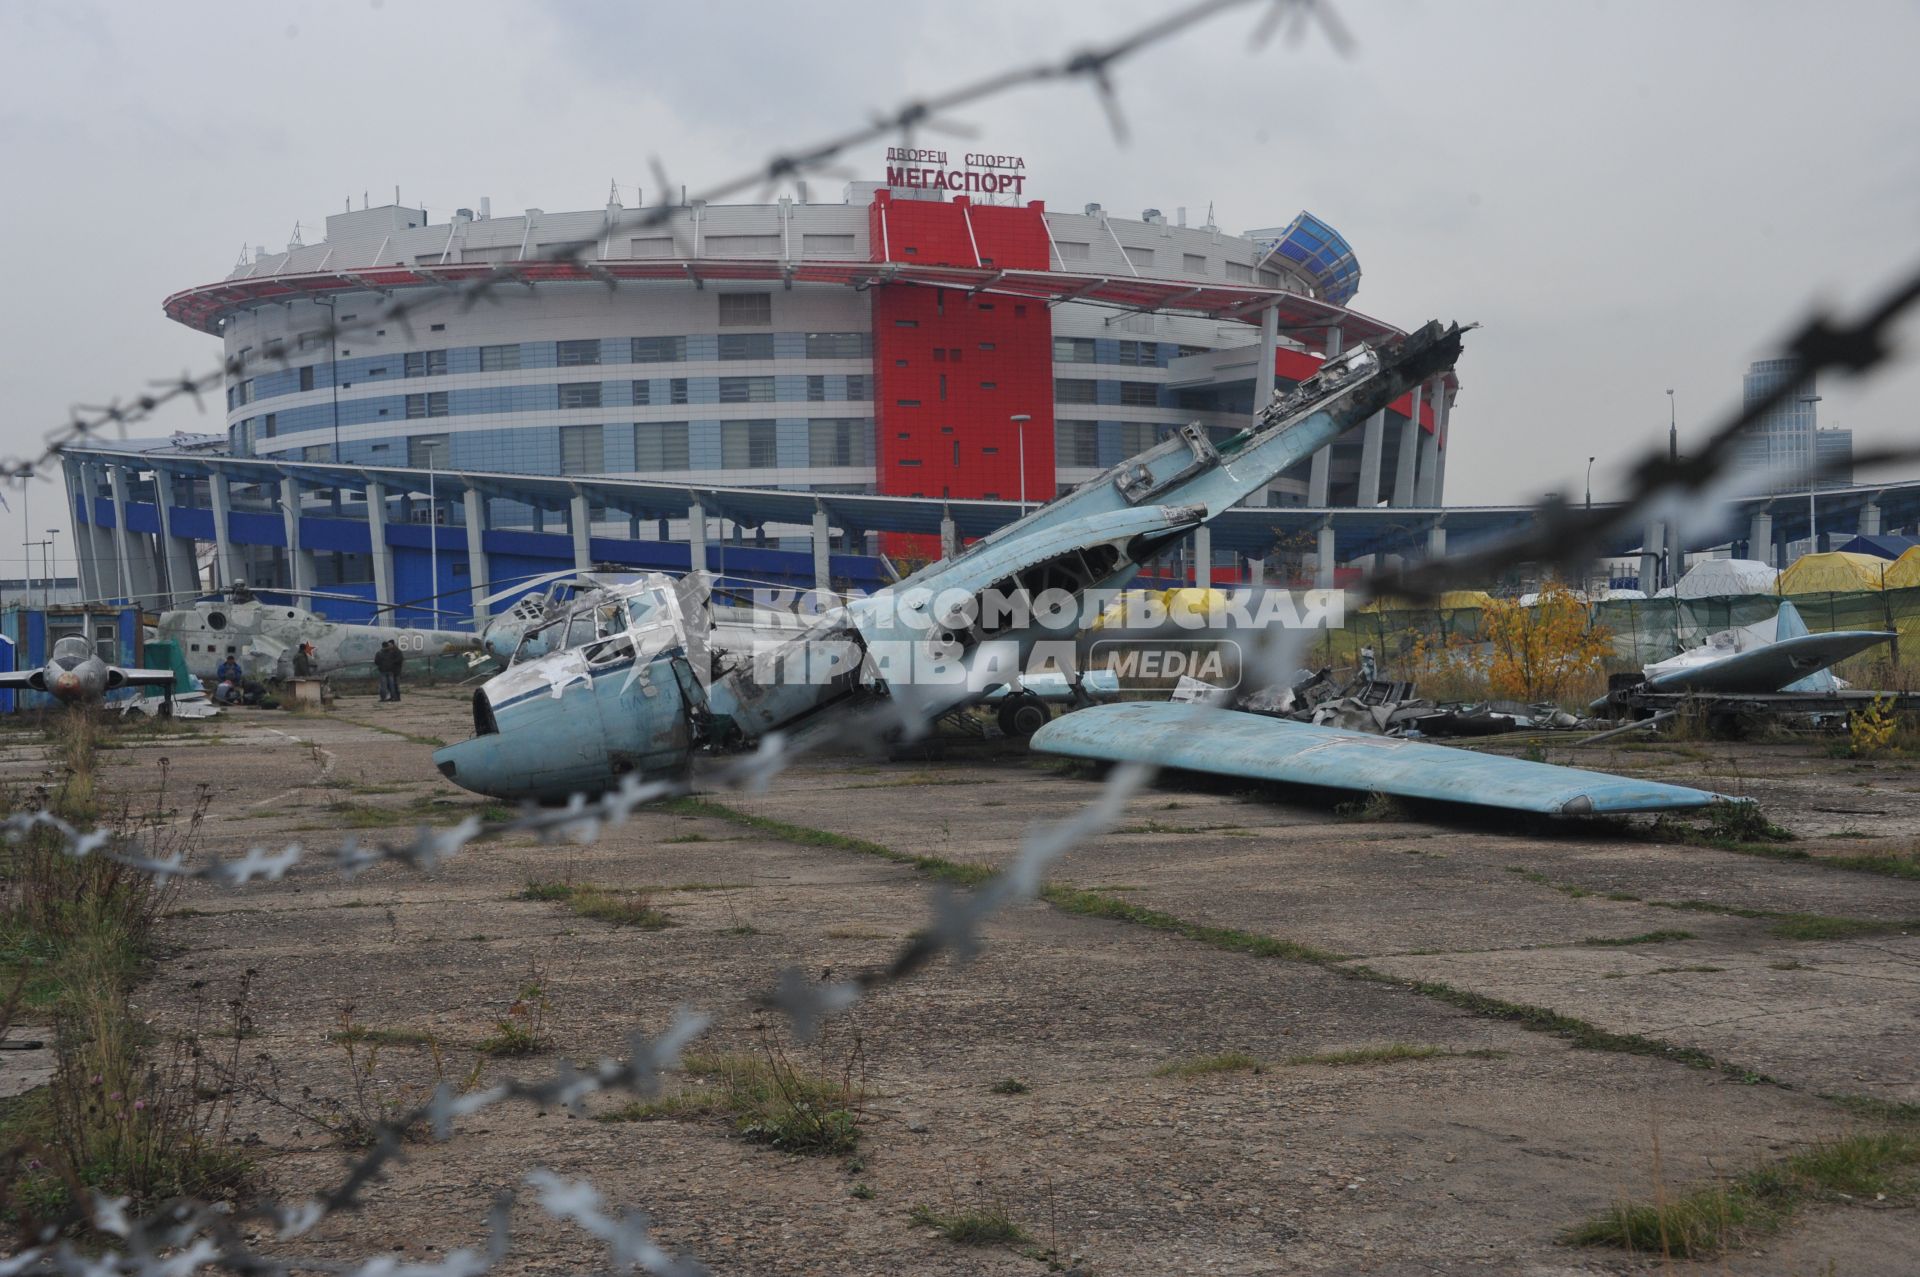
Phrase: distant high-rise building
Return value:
(1786, 443)
(1833, 450)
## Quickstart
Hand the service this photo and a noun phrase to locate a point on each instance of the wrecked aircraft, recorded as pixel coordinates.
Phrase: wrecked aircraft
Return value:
(1778, 654)
(1258, 747)
(643, 700)
(263, 637)
(75, 674)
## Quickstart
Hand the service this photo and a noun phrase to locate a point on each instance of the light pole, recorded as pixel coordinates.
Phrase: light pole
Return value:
(47, 560)
(1590, 462)
(1673, 431)
(1020, 420)
(1813, 470)
(333, 369)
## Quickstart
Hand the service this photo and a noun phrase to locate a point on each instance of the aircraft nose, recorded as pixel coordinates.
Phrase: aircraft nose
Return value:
(66, 686)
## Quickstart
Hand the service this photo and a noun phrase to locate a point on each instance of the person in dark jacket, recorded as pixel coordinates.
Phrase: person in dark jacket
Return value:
(229, 671)
(388, 661)
(303, 661)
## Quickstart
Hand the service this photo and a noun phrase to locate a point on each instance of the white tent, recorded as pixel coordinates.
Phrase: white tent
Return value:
(1719, 578)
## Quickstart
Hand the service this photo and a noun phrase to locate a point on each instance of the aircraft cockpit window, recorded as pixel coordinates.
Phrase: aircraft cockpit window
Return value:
(216, 620)
(71, 650)
(617, 648)
(642, 607)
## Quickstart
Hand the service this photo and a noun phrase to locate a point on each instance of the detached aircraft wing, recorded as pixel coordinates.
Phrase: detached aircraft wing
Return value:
(24, 679)
(117, 677)
(1225, 742)
(1780, 666)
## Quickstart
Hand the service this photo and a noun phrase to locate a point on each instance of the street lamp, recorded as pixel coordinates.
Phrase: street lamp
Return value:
(1590, 462)
(1813, 470)
(47, 561)
(1020, 420)
(1673, 431)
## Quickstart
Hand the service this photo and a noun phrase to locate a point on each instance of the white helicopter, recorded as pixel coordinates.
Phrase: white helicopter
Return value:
(263, 636)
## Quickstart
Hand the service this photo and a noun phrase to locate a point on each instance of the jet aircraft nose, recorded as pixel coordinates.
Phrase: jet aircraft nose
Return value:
(66, 687)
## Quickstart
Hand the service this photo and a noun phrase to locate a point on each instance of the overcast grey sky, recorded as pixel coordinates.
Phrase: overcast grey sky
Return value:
(1629, 196)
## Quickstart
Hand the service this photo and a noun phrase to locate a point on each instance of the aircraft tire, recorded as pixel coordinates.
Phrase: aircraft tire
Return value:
(1022, 715)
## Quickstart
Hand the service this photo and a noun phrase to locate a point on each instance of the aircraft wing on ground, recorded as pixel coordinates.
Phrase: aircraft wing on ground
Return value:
(1225, 742)
(140, 678)
(1779, 666)
(24, 679)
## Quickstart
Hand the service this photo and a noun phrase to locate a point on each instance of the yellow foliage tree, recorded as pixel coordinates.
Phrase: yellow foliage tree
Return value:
(1540, 652)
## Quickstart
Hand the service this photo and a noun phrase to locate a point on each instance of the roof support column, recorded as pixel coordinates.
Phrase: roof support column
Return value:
(1427, 479)
(822, 550)
(949, 534)
(696, 537)
(1256, 570)
(377, 543)
(1372, 445)
(1319, 477)
(182, 565)
(299, 558)
(479, 571)
(1202, 557)
(1650, 551)
(1870, 519)
(1264, 378)
(86, 566)
(1323, 556)
(1404, 467)
(581, 517)
(1443, 431)
(122, 554)
(1437, 541)
(1760, 538)
(226, 568)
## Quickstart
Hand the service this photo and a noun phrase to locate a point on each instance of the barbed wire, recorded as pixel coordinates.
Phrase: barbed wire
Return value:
(1690, 495)
(1094, 65)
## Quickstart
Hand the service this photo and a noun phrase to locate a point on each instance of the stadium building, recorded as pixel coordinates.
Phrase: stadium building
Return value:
(861, 368)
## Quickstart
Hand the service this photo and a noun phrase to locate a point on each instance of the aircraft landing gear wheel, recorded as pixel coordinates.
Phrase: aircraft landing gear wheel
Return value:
(1023, 714)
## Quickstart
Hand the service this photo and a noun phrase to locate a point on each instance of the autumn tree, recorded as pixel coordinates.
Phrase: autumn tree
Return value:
(1540, 652)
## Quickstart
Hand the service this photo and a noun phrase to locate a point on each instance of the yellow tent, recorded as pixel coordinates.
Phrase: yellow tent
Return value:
(1448, 601)
(1833, 573)
(1904, 572)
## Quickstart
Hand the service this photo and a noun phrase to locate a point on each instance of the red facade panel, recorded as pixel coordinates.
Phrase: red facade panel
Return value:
(951, 368)
(1298, 365)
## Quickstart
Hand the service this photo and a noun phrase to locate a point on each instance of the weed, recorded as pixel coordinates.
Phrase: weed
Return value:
(863, 1191)
(1095, 904)
(351, 1033)
(987, 1225)
(1372, 808)
(1707, 1220)
(523, 1029)
(1010, 1086)
(1392, 1053)
(770, 1099)
(1226, 1062)
(622, 908)
(1646, 937)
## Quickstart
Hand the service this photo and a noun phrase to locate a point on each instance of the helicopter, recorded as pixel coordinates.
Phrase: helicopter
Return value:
(263, 636)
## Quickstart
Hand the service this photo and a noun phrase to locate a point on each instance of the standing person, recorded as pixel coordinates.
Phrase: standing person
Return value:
(388, 661)
(229, 671)
(303, 661)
